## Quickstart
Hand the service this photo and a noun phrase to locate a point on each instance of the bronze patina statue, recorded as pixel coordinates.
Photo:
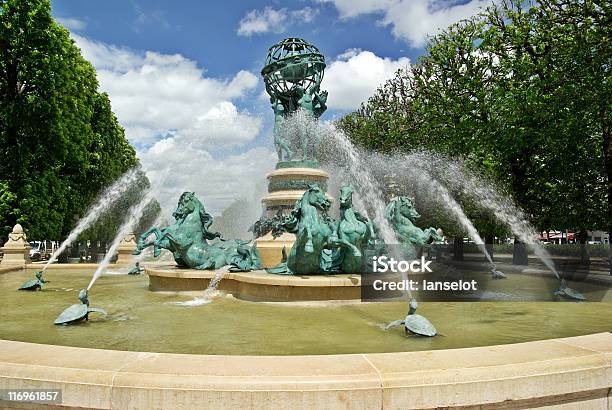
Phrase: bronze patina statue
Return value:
(292, 75)
(78, 312)
(313, 231)
(323, 245)
(188, 240)
(34, 284)
(279, 141)
(413, 323)
(354, 232)
(136, 270)
(402, 215)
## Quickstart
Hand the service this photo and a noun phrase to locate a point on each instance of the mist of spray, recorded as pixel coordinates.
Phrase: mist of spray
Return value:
(134, 215)
(107, 199)
(484, 193)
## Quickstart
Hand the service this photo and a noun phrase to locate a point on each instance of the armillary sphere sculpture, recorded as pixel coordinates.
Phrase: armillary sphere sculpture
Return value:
(293, 73)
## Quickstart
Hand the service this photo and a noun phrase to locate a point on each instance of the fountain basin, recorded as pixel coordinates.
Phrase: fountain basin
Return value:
(257, 355)
(257, 285)
(575, 371)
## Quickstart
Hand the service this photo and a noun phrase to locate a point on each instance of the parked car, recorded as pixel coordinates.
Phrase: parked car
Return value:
(35, 250)
(41, 250)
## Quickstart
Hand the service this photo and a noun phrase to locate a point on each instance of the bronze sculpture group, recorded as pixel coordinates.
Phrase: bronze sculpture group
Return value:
(324, 245)
(292, 75)
(191, 243)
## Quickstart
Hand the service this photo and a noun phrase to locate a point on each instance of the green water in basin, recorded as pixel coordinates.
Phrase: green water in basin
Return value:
(140, 320)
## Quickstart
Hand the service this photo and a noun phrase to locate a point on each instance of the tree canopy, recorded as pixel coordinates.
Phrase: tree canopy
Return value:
(522, 93)
(60, 142)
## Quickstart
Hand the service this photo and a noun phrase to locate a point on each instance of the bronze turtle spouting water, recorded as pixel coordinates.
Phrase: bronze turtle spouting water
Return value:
(413, 323)
(78, 311)
(136, 270)
(496, 274)
(34, 284)
(568, 293)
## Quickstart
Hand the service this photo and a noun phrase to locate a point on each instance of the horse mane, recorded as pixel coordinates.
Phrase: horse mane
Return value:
(205, 218)
(391, 209)
(291, 223)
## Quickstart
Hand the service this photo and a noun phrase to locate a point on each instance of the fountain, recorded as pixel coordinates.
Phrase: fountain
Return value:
(307, 265)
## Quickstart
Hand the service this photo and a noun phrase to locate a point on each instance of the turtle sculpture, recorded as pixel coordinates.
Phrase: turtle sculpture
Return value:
(413, 323)
(568, 293)
(78, 311)
(136, 270)
(496, 274)
(34, 284)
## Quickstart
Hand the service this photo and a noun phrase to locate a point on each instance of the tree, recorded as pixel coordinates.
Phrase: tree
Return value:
(522, 94)
(59, 138)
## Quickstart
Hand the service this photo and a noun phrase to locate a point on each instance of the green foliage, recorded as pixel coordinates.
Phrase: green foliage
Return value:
(59, 138)
(522, 94)
(570, 250)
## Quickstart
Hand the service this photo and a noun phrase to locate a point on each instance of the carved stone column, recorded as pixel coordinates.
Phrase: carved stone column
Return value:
(126, 247)
(17, 249)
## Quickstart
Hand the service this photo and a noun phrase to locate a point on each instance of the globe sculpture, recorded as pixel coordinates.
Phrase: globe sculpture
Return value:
(292, 75)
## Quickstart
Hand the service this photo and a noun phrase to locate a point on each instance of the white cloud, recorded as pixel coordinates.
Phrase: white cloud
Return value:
(154, 94)
(72, 23)
(176, 116)
(412, 20)
(273, 20)
(354, 8)
(354, 76)
(174, 165)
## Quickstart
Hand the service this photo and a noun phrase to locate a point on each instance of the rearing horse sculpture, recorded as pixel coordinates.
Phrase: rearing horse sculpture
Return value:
(313, 232)
(401, 214)
(188, 238)
(353, 233)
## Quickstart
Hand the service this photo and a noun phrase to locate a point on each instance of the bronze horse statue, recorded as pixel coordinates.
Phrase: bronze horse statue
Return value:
(402, 215)
(313, 234)
(188, 238)
(353, 233)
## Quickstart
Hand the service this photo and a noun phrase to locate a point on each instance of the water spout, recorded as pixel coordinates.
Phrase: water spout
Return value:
(134, 215)
(108, 197)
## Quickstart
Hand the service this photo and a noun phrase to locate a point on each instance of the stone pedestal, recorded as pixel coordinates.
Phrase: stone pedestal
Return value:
(124, 252)
(286, 185)
(17, 249)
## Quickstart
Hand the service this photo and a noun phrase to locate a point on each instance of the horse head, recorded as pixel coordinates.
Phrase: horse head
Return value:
(407, 209)
(186, 205)
(316, 197)
(346, 197)
(402, 206)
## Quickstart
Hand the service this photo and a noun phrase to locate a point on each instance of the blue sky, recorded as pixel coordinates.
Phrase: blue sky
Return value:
(183, 76)
(207, 31)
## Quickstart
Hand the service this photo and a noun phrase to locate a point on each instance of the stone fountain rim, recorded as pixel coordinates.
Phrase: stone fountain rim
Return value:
(540, 373)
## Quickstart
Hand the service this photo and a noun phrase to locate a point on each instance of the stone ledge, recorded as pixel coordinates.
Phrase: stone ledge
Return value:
(6, 269)
(573, 371)
(257, 285)
(309, 172)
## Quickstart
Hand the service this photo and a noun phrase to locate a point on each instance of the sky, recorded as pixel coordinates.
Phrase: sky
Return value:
(184, 77)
